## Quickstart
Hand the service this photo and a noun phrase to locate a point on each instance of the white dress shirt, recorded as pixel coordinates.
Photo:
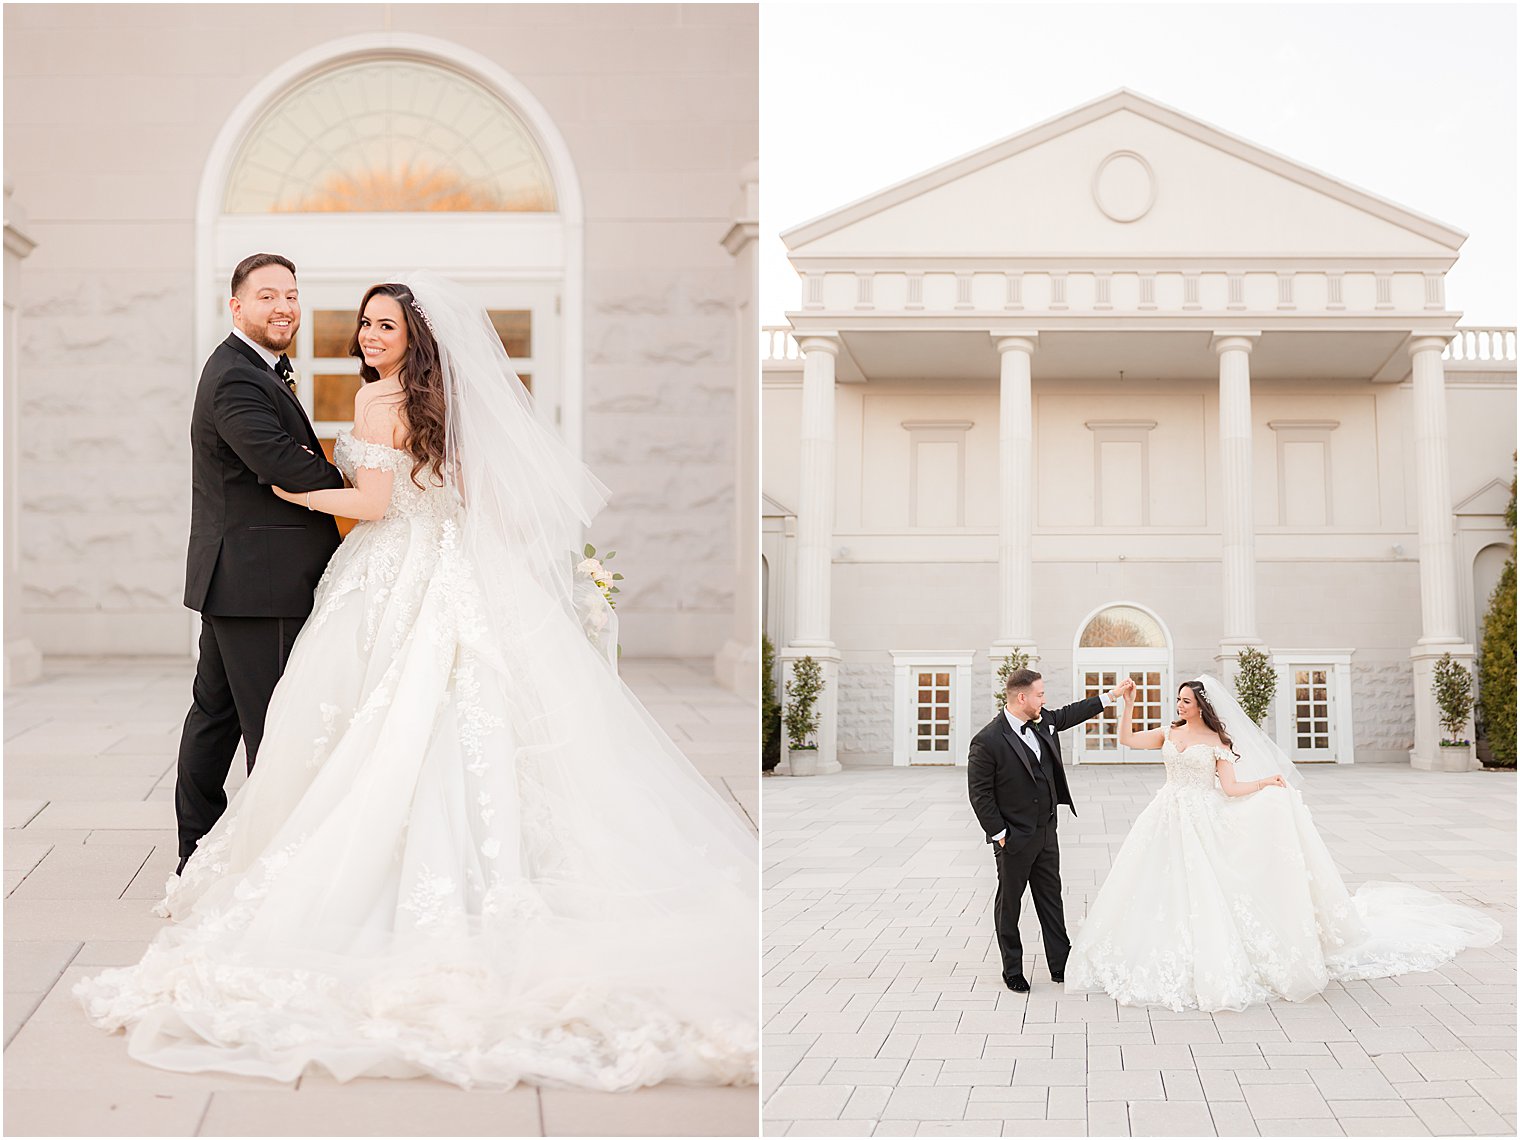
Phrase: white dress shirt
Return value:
(269, 358)
(1027, 733)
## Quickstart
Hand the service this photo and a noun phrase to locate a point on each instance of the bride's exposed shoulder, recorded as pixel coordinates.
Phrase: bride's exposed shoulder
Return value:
(377, 415)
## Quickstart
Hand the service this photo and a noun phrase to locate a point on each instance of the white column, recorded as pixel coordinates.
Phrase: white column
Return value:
(1439, 631)
(815, 535)
(1016, 495)
(737, 665)
(1237, 491)
(23, 661)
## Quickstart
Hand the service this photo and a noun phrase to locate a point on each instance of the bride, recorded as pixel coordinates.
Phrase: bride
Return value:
(1223, 894)
(467, 850)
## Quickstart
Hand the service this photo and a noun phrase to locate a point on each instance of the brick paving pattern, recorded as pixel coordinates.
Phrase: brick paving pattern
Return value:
(886, 1014)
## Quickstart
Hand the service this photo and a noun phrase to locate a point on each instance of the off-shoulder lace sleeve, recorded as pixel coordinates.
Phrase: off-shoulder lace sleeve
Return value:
(1225, 754)
(377, 456)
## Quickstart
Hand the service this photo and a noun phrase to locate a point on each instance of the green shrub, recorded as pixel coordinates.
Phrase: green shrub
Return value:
(770, 708)
(1496, 660)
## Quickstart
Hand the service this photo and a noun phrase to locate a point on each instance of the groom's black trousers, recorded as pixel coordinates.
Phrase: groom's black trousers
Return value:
(1037, 865)
(240, 664)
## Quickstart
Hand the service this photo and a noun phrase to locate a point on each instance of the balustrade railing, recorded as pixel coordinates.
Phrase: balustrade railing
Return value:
(1471, 344)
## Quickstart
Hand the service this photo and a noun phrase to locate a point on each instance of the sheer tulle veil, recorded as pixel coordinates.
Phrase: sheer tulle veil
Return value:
(1260, 757)
(526, 494)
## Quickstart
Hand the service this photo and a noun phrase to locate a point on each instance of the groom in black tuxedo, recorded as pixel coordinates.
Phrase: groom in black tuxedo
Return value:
(254, 558)
(1016, 780)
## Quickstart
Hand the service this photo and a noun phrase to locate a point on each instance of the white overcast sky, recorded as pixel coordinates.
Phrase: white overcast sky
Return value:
(1413, 102)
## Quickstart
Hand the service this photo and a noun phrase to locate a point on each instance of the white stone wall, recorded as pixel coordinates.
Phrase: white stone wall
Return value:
(110, 113)
(1344, 587)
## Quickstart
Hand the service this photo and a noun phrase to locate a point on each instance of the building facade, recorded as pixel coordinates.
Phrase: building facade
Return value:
(1129, 394)
(588, 171)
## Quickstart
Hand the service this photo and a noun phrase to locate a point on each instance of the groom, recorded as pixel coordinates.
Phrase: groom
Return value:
(1016, 781)
(254, 558)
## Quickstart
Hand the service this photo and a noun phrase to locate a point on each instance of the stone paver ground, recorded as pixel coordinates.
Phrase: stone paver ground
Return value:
(886, 1014)
(89, 841)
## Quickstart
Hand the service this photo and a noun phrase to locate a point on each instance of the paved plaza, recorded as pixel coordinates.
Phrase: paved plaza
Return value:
(89, 841)
(886, 1014)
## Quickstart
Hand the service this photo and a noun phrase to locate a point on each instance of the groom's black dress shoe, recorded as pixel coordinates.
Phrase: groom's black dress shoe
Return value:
(1058, 979)
(1017, 983)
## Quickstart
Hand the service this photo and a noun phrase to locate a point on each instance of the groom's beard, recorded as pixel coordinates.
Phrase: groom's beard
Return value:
(274, 343)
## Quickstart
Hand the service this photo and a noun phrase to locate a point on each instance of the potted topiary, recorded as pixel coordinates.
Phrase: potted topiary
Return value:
(1255, 683)
(1454, 699)
(801, 718)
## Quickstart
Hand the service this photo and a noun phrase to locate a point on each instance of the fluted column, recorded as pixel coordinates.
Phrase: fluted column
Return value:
(1438, 565)
(815, 535)
(1238, 557)
(1015, 630)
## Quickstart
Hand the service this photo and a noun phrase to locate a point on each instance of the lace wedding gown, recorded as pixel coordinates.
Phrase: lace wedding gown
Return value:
(466, 851)
(1217, 902)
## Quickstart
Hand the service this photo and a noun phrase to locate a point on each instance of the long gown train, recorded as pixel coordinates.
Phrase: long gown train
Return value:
(466, 850)
(1217, 902)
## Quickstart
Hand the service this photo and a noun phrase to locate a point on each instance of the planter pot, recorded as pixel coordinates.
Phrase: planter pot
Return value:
(1455, 758)
(804, 761)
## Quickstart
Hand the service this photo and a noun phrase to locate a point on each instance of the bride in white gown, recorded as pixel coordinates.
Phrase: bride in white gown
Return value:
(466, 850)
(1223, 894)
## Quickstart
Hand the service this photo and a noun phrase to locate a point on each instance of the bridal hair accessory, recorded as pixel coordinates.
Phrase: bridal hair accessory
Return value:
(423, 313)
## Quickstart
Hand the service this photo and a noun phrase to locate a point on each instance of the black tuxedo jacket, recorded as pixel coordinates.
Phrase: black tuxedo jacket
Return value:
(252, 554)
(1006, 789)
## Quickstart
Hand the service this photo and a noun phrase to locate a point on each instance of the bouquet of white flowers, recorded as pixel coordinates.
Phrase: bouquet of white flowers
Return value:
(594, 594)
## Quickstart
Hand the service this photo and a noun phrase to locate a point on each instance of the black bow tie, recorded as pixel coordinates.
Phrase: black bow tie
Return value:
(285, 371)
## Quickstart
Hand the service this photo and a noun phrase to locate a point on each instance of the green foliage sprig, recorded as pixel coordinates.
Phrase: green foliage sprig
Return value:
(801, 718)
(1255, 683)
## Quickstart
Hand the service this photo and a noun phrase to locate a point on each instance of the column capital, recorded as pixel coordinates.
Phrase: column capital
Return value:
(819, 342)
(1429, 340)
(1222, 342)
(1025, 342)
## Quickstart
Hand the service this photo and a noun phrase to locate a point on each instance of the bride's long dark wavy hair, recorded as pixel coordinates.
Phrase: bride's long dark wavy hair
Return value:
(423, 408)
(1210, 717)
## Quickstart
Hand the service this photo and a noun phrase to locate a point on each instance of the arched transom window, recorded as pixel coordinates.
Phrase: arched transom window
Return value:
(386, 135)
(1123, 627)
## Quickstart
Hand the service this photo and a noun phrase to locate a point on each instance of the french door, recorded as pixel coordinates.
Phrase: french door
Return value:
(1098, 670)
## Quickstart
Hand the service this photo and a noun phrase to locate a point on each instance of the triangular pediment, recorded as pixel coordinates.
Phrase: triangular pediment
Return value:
(1123, 176)
(1490, 499)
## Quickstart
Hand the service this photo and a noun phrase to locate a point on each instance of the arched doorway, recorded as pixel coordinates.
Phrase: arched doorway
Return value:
(1113, 642)
(375, 154)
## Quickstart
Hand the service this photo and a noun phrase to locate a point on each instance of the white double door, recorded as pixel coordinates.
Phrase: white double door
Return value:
(1097, 671)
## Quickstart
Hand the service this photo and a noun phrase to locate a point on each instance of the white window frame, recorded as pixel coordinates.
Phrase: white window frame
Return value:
(1337, 663)
(904, 704)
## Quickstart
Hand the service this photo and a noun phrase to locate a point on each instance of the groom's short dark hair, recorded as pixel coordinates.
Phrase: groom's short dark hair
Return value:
(258, 261)
(1020, 679)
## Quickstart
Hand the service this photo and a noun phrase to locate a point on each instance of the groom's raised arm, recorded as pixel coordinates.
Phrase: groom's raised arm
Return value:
(980, 771)
(247, 420)
(1075, 713)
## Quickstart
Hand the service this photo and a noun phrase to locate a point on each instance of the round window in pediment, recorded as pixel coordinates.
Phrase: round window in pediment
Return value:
(389, 135)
